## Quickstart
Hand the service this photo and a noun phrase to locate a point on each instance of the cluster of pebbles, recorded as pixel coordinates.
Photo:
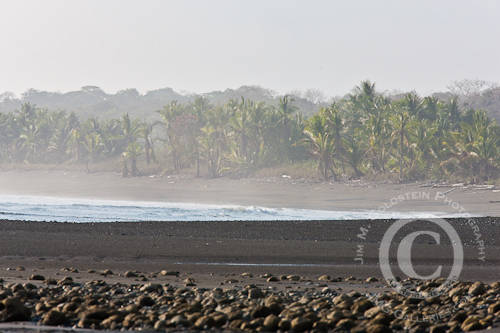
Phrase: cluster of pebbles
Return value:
(462, 306)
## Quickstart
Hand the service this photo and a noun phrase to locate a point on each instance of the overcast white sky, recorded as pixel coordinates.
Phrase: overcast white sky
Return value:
(200, 46)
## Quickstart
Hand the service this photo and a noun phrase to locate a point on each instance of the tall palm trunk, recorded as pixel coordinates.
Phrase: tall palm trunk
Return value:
(401, 139)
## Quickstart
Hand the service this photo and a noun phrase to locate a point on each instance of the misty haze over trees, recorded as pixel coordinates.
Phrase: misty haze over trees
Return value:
(92, 101)
(404, 136)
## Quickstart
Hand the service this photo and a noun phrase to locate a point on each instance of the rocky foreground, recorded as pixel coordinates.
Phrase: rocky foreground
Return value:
(96, 304)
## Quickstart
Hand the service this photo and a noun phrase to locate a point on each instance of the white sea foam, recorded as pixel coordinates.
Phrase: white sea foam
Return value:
(40, 208)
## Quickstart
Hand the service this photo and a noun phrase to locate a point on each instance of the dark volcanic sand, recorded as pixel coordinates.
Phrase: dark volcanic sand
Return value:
(302, 247)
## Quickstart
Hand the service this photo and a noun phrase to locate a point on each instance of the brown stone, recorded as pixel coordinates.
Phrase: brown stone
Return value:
(361, 305)
(271, 322)
(494, 308)
(54, 318)
(14, 310)
(204, 322)
(300, 324)
(378, 328)
(345, 324)
(477, 288)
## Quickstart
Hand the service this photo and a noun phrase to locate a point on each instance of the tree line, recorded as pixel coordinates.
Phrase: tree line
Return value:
(363, 134)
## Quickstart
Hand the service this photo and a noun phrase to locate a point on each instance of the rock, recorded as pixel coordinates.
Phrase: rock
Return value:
(382, 318)
(145, 300)
(300, 324)
(371, 279)
(457, 291)
(358, 329)
(335, 315)
(51, 282)
(252, 325)
(95, 314)
(111, 322)
(54, 318)
(378, 328)
(342, 298)
(235, 325)
(284, 324)
(321, 326)
(372, 312)
(324, 278)
(189, 282)
(494, 308)
(179, 320)
(418, 328)
(459, 316)
(471, 319)
(160, 325)
(361, 305)
(70, 307)
(439, 328)
(130, 274)
(106, 272)
(293, 277)
(204, 322)
(254, 293)
(477, 288)
(271, 322)
(151, 287)
(219, 319)
(260, 311)
(14, 310)
(169, 273)
(246, 275)
(37, 277)
(272, 279)
(65, 281)
(345, 324)
(471, 326)
(20, 268)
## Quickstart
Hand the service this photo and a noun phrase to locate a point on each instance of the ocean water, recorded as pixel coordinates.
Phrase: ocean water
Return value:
(39, 208)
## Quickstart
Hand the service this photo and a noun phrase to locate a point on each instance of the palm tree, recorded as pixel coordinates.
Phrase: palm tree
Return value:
(146, 132)
(200, 106)
(321, 145)
(93, 144)
(214, 139)
(285, 111)
(355, 152)
(171, 114)
(400, 120)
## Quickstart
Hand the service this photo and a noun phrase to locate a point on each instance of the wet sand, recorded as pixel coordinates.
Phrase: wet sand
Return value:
(310, 248)
(267, 192)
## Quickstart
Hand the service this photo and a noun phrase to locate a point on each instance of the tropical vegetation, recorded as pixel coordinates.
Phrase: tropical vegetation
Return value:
(364, 134)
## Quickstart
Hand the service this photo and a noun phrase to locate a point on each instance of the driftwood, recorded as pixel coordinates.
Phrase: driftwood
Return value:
(460, 185)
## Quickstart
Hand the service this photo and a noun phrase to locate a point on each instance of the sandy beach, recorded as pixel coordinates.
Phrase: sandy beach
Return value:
(264, 191)
(292, 261)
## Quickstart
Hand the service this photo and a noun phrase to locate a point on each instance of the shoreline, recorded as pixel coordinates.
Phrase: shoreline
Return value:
(264, 192)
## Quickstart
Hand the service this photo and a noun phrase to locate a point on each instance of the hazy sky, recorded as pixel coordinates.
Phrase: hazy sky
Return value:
(200, 46)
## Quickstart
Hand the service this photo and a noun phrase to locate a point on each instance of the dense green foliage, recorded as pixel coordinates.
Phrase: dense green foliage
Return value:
(363, 134)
